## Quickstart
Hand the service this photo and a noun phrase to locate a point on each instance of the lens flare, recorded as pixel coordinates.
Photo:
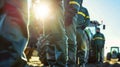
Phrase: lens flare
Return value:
(41, 10)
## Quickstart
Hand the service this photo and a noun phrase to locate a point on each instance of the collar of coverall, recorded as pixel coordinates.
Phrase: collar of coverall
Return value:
(80, 2)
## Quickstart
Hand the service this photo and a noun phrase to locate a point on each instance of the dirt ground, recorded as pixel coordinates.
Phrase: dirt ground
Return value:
(103, 65)
(35, 62)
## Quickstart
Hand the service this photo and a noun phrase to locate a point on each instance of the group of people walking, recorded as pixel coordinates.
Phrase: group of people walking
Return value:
(64, 33)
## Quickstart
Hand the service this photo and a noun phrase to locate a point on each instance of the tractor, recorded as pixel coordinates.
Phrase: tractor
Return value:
(114, 53)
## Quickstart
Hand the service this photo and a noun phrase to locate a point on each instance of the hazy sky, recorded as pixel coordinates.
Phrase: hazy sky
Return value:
(109, 12)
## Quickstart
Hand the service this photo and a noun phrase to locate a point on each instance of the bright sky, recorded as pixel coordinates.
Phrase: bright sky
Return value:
(109, 12)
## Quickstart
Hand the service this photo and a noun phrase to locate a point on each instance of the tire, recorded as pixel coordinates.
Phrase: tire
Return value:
(118, 56)
(42, 57)
(92, 56)
(47, 55)
(108, 56)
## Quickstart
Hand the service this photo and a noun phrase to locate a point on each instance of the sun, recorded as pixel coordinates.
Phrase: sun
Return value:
(41, 10)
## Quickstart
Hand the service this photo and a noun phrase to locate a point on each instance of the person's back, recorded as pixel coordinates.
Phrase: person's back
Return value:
(99, 39)
(98, 42)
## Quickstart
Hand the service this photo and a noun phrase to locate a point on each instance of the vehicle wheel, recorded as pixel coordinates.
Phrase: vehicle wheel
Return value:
(108, 56)
(92, 56)
(43, 59)
(118, 56)
(42, 54)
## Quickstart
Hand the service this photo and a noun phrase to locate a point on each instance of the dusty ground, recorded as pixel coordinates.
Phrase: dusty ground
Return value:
(34, 61)
(103, 65)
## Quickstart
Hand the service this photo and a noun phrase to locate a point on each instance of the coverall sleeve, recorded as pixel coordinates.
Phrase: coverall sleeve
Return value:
(71, 9)
(87, 18)
(103, 39)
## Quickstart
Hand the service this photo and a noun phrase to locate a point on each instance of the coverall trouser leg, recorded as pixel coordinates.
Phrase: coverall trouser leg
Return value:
(54, 27)
(81, 47)
(13, 37)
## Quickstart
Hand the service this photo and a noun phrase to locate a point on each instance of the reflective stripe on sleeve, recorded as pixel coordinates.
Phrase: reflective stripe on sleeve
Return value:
(87, 17)
(81, 13)
(74, 2)
(98, 38)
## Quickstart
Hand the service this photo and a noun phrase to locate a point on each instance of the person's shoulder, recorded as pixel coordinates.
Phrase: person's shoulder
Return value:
(95, 34)
(85, 9)
(102, 34)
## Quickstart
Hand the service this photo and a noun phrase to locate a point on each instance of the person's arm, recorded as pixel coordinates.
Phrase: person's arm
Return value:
(87, 19)
(93, 41)
(103, 38)
(71, 9)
